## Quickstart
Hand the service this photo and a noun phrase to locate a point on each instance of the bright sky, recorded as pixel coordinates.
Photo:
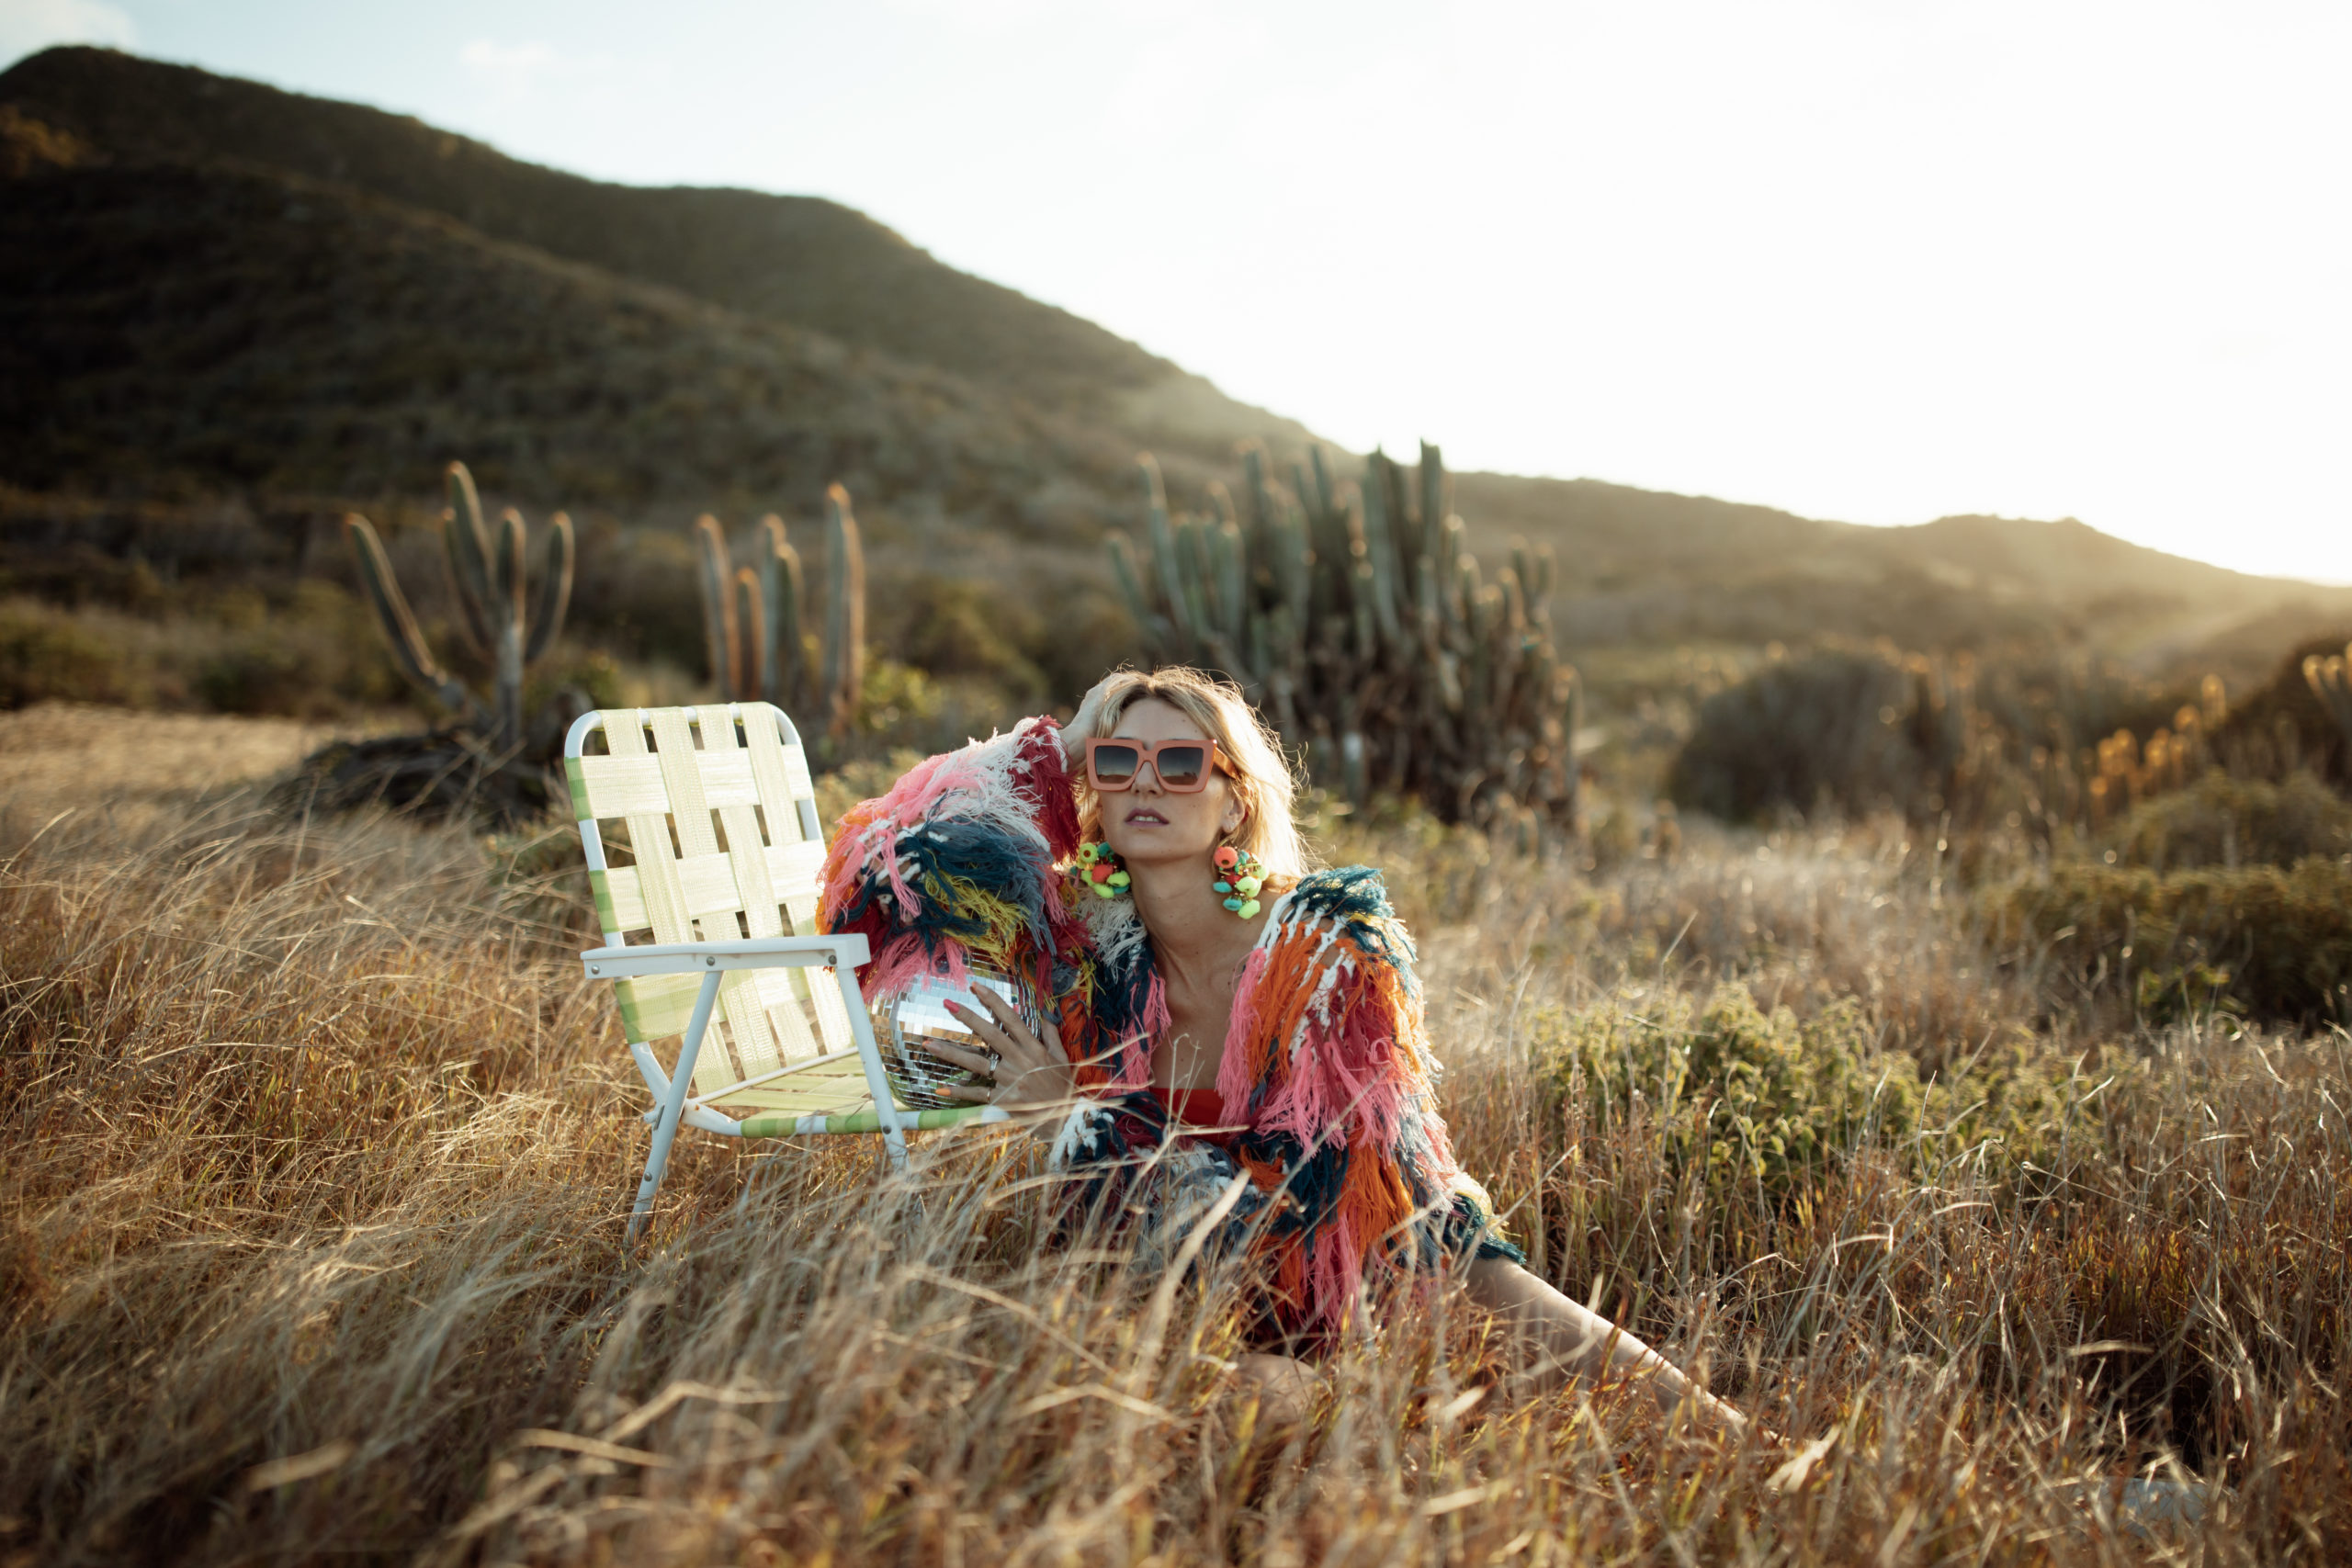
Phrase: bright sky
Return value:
(1874, 259)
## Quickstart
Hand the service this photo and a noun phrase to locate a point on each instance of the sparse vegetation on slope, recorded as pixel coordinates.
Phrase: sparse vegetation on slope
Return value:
(800, 259)
(304, 340)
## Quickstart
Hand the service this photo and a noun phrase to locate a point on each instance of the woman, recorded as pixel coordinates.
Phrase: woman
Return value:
(1221, 1011)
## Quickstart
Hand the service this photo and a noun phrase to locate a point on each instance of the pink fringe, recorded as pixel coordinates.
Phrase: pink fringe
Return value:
(1338, 1274)
(1348, 1082)
(1235, 1073)
(1135, 1056)
(898, 966)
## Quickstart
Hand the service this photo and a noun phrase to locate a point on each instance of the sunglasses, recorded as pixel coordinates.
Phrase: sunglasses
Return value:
(1182, 765)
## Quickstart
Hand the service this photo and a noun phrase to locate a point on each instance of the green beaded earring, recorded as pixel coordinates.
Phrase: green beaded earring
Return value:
(1239, 875)
(1099, 868)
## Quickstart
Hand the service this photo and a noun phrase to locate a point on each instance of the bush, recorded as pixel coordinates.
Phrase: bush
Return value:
(1802, 733)
(1751, 1097)
(48, 654)
(312, 653)
(1758, 1096)
(958, 628)
(2277, 941)
(2226, 821)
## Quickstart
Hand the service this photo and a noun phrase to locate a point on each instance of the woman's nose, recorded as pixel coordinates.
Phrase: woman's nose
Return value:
(1145, 770)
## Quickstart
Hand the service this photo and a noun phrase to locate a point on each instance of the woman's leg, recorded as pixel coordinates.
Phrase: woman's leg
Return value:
(1571, 1341)
(1284, 1390)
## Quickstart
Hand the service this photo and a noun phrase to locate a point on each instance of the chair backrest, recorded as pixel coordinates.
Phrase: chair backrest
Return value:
(718, 817)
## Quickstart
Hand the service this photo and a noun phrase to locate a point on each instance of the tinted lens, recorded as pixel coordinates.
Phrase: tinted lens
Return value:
(1115, 766)
(1180, 767)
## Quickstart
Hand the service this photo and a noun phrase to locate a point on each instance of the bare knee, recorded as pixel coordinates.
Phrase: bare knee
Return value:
(1283, 1385)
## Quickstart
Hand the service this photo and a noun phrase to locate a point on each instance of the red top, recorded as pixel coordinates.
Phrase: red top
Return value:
(1196, 1108)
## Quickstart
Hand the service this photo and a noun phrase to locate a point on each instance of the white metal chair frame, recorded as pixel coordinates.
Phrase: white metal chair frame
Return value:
(764, 875)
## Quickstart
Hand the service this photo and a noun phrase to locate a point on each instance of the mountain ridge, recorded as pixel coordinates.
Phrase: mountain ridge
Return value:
(813, 261)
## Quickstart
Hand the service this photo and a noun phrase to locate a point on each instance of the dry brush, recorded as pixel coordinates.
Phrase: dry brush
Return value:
(317, 1150)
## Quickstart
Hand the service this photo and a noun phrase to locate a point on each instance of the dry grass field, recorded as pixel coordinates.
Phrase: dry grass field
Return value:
(317, 1148)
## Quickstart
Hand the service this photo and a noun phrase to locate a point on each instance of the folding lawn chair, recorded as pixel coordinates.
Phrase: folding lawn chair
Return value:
(721, 830)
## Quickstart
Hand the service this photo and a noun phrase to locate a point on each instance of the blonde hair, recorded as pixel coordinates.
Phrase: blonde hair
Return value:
(1257, 773)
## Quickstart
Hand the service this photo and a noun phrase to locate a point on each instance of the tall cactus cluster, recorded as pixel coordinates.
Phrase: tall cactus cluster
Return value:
(508, 626)
(756, 629)
(1352, 615)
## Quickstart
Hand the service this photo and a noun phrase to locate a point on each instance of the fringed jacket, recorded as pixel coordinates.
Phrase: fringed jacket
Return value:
(1327, 1068)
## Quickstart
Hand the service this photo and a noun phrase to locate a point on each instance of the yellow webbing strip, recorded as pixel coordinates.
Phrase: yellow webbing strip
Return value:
(649, 841)
(722, 887)
(619, 783)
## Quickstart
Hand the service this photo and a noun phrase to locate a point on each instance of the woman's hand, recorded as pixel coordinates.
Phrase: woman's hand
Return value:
(1030, 1074)
(1080, 726)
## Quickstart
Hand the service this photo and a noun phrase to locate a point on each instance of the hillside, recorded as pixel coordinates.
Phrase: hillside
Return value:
(211, 289)
(1645, 565)
(797, 259)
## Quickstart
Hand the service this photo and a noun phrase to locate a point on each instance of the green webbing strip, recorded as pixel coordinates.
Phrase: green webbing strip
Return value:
(600, 884)
(654, 1006)
(858, 1122)
(579, 788)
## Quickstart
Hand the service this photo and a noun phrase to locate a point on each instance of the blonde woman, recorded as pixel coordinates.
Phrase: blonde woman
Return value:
(1219, 1010)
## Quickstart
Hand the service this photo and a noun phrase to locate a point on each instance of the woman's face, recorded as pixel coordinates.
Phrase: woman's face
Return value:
(1145, 822)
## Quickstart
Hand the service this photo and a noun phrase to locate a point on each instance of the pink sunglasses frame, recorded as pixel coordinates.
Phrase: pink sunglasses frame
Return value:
(1148, 751)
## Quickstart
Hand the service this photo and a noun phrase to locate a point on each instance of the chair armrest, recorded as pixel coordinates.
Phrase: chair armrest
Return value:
(757, 953)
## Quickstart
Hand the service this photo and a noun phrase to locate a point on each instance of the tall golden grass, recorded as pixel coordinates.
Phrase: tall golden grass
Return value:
(317, 1150)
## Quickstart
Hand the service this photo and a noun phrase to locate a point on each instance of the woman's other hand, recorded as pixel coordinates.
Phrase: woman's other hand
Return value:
(1082, 723)
(1030, 1074)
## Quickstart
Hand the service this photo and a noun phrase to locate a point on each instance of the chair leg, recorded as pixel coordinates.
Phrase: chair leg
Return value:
(673, 1105)
(877, 1083)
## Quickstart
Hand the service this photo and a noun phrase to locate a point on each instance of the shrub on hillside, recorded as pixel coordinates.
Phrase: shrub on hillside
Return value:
(1805, 732)
(48, 654)
(2225, 821)
(2053, 748)
(309, 654)
(2277, 941)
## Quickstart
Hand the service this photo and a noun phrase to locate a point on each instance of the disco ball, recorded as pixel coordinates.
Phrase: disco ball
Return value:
(909, 1024)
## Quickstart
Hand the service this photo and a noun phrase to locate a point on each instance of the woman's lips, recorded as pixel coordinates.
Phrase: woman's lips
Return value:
(1146, 814)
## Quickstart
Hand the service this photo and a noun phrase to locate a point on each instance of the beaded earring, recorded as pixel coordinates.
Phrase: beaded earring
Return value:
(1101, 870)
(1239, 875)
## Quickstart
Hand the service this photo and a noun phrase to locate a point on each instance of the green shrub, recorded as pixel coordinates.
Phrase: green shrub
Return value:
(1759, 1098)
(49, 655)
(314, 653)
(256, 672)
(2225, 821)
(1805, 732)
(2282, 936)
(956, 626)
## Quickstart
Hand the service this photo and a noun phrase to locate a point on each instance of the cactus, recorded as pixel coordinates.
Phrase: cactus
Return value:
(2331, 681)
(844, 614)
(1352, 615)
(753, 621)
(488, 580)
